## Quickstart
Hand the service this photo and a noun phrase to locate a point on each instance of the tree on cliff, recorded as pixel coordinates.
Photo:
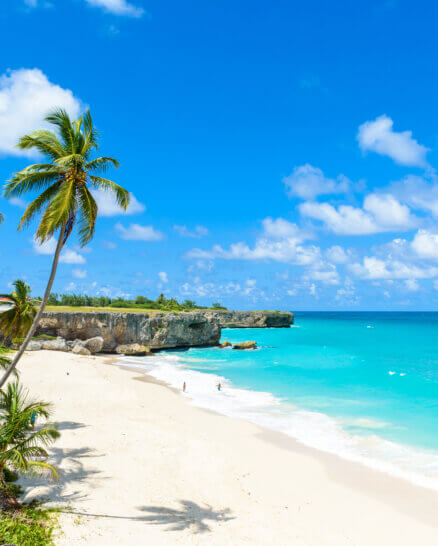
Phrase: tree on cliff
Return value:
(65, 180)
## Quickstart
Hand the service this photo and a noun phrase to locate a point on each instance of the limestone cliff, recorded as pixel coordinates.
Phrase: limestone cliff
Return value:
(159, 331)
(251, 319)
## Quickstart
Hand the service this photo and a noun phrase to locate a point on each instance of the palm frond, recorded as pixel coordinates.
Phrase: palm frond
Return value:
(102, 164)
(22, 182)
(88, 215)
(37, 204)
(122, 196)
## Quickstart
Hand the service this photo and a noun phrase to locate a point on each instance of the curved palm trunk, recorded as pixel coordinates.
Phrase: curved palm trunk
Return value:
(40, 310)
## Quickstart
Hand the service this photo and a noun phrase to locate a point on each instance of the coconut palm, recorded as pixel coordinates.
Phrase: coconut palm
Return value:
(1, 218)
(16, 321)
(23, 449)
(64, 181)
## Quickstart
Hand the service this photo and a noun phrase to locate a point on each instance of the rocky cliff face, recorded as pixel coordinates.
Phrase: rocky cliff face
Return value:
(160, 331)
(251, 319)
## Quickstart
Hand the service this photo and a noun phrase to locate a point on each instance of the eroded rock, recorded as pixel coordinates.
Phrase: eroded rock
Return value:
(133, 349)
(245, 345)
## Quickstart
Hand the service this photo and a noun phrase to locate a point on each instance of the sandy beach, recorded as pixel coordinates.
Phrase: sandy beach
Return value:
(139, 465)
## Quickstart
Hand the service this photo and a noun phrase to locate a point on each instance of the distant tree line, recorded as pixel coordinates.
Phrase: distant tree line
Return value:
(140, 302)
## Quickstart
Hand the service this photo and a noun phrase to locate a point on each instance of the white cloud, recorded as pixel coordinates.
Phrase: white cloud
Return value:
(418, 193)
(163, 276)
(26, 96)
(380, 213)
(281, 241)
(109, 245)
(107, 204)
(425, 244)
(48, 248)
(374, 268)
(378, 136)
(412, 285)
(312, 289)
(197, 233)
(79, 273)
(117, 7)
(18, 202)
(307, 182)
(136, 232)
(327, 276)
(337, 255)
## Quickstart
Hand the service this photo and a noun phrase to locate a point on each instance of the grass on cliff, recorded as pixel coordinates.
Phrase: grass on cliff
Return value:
(102, 309)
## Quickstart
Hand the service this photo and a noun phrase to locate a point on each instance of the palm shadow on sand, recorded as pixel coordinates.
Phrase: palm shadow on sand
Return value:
(191, 516)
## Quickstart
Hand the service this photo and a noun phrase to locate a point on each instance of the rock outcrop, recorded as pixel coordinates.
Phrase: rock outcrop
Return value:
(244, 345)
(159, 331)
(251, 319)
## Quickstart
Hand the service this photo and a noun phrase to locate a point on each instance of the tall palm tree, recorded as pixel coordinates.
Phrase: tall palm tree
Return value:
(17, 321)
(1, 218)
(23, 449)
(65, 181)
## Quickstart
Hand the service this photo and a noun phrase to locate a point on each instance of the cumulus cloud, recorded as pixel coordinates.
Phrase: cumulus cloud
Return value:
(163, 276)
(412, 285)
(337, 255)
(418, 192)
(108, 206)
(380, 213)
(373, 268)
(68, 256)
(281, 241)
(425, 244)
(117, 7)
(26, 96)
(79, 273)
(378, 136)
(197, 233)
(307, 182)
(136, 232)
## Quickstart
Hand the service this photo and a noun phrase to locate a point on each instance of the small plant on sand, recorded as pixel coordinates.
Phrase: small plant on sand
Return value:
(33, 526)
(16, 321)
(64, 181)
(22, 449)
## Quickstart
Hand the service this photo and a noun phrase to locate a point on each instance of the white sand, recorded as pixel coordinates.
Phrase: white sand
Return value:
(142, 466)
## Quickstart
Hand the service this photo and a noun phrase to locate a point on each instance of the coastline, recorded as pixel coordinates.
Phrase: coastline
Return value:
(139, 465)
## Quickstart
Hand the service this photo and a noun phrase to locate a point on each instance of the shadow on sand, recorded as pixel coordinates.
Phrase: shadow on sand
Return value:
(191, 516)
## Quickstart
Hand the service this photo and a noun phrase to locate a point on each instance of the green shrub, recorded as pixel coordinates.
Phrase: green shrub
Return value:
(33, 527)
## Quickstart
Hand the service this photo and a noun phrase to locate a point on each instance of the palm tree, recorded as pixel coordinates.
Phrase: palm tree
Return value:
(1, 218)
(66, 198)
(16, 321)
(23, 449)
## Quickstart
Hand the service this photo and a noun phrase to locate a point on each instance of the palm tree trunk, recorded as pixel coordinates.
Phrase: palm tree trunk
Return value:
(40, 310)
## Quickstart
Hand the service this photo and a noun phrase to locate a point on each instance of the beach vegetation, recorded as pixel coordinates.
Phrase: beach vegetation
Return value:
(63, 181)
(17, 321)
(23, 448)
(139, 303)
(31, 526)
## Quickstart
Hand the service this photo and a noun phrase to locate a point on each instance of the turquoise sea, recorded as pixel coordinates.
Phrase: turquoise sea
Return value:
(361, 385)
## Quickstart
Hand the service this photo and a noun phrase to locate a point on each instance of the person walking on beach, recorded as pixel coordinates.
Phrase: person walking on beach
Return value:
(32, 420)
(219, 386)
(184, 386)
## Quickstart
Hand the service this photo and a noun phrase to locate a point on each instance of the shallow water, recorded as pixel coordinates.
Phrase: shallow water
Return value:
(361, 385)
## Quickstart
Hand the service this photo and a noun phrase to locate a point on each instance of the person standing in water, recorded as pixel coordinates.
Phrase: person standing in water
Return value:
(219, 386)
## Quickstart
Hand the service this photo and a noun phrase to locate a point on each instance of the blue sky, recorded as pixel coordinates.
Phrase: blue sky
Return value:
(280, 156)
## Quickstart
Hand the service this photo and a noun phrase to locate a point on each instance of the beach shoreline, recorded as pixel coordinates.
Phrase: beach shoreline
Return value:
(178, 474)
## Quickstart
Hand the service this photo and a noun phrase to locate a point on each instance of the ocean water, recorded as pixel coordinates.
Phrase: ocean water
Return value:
(363, 386)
